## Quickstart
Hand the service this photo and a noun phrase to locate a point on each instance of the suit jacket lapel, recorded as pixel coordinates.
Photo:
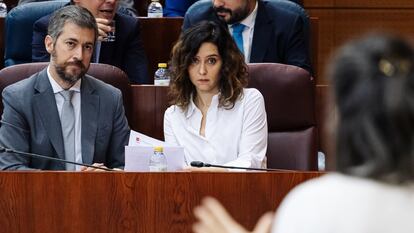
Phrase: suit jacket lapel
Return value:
(89, 115)
(45, 104)
(262, 30)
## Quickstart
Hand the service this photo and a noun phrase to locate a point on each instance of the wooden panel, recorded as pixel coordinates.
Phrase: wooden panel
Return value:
(161, 100)
(318, 3)
(148, 106)
(159, 36)
(133, 202)
(359, 3)
(340, 25)
(143, 109)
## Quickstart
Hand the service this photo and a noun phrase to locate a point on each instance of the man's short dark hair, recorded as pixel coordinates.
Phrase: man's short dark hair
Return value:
(71, 14)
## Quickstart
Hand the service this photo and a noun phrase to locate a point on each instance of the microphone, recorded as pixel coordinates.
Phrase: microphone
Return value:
(27, 154)
(201, 164)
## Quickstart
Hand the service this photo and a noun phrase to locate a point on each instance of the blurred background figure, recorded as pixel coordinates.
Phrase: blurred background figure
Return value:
(212, 115)
(372, 190)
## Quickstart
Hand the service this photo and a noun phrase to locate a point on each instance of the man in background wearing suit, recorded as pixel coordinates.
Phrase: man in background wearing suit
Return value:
(126, 52)
(60, 111)
(262, 29)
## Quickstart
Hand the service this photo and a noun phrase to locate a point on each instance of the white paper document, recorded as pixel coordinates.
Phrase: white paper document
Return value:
(141, 147)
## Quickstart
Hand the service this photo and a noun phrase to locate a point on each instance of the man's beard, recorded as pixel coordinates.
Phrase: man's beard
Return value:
(66, 76)
(235, 16)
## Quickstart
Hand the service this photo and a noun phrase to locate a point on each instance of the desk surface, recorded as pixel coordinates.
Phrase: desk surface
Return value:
(133, 202)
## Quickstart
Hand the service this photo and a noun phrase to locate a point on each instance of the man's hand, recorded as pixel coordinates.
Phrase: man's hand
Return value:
(91, 169)
(213, 218)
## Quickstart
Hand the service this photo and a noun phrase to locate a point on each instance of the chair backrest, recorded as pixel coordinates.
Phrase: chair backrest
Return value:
(19, 29)
(159, 36)
(290, 105)
(107, 73)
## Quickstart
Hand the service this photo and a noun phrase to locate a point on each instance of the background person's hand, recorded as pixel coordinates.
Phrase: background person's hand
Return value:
(103, 28)
(213, 218)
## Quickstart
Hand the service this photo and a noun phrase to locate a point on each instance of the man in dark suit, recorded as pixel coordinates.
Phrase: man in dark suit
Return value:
(268, 30)
(126, 52)
(60, 111)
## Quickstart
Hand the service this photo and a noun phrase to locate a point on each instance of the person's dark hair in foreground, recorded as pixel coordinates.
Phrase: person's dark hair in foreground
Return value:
(373, 80)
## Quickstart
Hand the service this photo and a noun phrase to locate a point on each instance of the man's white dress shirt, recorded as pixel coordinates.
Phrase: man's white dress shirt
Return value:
(76, 102)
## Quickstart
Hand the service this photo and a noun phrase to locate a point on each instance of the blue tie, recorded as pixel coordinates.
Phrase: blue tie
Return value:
(238, 36)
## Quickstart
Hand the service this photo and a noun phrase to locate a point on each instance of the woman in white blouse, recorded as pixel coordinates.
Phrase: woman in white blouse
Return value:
(213, 116)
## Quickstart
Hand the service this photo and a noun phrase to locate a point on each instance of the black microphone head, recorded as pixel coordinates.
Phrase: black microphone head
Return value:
(197, 164)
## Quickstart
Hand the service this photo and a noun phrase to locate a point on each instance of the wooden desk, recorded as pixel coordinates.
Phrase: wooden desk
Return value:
(133, 202)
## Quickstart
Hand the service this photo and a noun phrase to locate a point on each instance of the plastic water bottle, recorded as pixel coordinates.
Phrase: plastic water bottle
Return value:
(3, 9)
(162, 75)
(155, 9)
(158, 162)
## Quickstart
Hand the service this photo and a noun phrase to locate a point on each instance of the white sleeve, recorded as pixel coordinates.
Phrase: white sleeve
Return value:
(253, 141)
(169, 135)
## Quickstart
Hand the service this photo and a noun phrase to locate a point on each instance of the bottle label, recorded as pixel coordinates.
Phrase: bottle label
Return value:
(158, 168)
(161, 82)
(154, 15)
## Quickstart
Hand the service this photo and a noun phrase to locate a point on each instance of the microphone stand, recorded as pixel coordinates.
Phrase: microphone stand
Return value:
(201, 164)
(4, 149)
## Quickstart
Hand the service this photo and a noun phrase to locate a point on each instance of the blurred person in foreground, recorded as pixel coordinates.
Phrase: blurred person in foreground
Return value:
(214, 117)
(126, 52)
(372, 190)
(62, 112)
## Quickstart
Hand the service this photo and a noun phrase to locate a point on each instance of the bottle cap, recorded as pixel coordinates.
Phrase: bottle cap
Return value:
(162, 65)
(158, 149)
